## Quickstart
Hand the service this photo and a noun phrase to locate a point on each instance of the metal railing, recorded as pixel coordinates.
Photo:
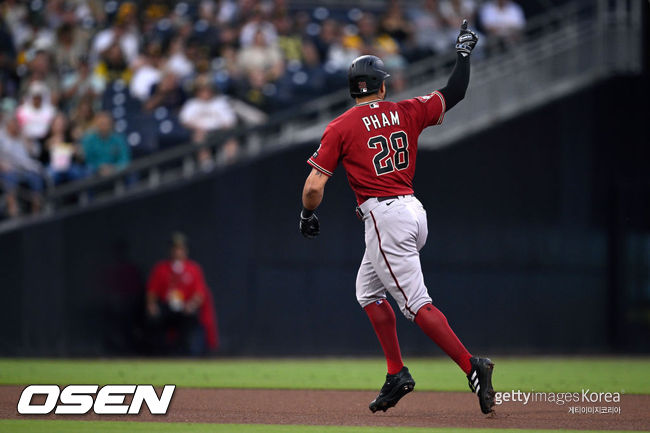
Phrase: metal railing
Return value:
(565, 50)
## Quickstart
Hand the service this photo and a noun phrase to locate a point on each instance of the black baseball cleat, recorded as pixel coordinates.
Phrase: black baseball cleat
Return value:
(480, 382)
(395, 387)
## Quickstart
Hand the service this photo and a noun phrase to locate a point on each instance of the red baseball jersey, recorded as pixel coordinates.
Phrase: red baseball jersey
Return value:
(166, 281)
(377, 143)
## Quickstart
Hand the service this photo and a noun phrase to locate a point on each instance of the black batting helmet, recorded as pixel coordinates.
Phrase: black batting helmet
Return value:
(365, 75)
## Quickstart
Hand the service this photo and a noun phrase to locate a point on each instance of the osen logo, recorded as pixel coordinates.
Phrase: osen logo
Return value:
(80, 399)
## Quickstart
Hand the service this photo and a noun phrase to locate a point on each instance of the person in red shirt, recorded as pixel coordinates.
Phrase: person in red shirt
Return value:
(180, 303)
(376, 142)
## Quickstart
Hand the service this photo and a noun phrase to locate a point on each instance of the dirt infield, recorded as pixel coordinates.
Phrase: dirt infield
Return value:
(419, 409)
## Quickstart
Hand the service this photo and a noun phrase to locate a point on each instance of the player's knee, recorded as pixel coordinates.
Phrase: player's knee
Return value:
(361, 298)
(415, 306)
(365, 301)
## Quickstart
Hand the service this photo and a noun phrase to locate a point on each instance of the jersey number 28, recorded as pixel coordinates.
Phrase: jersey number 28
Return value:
(382, 161)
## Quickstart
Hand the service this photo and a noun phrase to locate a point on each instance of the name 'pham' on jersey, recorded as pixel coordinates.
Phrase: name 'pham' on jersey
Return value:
(377, 143)
(380, 122)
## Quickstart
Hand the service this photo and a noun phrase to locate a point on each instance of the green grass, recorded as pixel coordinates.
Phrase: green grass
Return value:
(628, 375)
(38, 426)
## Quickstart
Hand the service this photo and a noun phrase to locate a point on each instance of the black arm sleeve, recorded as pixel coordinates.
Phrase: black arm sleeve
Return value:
(455, 89)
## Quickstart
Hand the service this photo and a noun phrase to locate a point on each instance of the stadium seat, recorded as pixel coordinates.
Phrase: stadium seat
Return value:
(171, 133)
(141, 134)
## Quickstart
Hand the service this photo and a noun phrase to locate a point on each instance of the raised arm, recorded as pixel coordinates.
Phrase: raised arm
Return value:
(456, 87)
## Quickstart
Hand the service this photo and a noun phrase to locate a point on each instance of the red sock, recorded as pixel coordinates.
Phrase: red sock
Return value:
(382, 317)
(435, 325)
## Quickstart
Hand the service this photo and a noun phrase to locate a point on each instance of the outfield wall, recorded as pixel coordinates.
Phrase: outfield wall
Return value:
(538, 242)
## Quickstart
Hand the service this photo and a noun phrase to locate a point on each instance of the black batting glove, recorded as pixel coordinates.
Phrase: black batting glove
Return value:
(466, 40)
(309, 225)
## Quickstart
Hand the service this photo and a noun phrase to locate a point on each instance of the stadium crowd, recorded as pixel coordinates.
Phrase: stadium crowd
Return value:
(88, 85)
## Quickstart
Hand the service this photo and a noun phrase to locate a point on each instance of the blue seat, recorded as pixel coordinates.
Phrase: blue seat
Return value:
(171, 133)
(141, 134)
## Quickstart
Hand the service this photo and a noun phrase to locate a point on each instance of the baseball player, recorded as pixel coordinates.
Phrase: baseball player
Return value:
(376, 141)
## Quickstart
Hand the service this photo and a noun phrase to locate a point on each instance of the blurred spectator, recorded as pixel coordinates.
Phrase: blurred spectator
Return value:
(429, 28)
(70, 48)
(81, 119)
(79, 84)
(302, 21)
(309, 80)
(36, 113)
(261, 56)
(454, 12)
(288, 41)
(329, 35)
(14, 13)
(167, 93)
(105, 150)
(315, 76)
(40, 70)
(206, 113)
(17, 166)
(229, 36)
(344, 51)
(7, 103)
(149, 25)
(372, 40)
(57, 12)
(206, 32)
(503, 21)
(228, 11)
(258, 91)
(64, 154)
(179, 304)
(39, 36)
(123, 33)
(112, 66)
(147, 72)
(177, 61)
(395, 25)
(227, 72)
(256, 24)
(334, 57)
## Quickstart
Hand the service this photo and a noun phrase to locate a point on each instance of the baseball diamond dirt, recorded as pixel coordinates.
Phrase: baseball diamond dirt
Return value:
(418, 409)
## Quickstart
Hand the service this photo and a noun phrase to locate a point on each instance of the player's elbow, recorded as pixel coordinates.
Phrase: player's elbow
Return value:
(456, 98)
(453, 97)
(315, 182)
(312, 194)
(313, 190)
